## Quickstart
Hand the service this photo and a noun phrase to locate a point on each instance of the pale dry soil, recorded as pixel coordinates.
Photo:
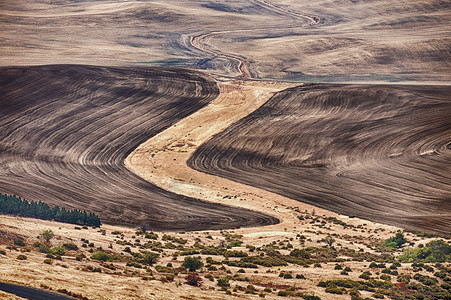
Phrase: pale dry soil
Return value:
(126, 282)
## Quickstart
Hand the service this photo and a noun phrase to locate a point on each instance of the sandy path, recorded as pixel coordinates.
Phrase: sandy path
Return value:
(162, 159)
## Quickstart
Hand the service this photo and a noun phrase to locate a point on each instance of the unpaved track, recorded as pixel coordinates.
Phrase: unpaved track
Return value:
(162, 159)
(66, 130)
(378, 152)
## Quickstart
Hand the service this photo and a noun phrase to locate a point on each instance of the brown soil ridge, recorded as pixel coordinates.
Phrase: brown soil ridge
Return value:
(377, 152)
(66, 130)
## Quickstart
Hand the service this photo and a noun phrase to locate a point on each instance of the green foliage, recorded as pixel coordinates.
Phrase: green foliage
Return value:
(333, 289)
(21, 257)
(174, 239)
(47, 235)
(100, 255)
(70, 246)
(365, 275)
(266, 261)
(48, 261)
(426, 280)
(58, 251)
(19, 242)
(311, 297)
(397, 241)
(13, 205)
(147, 257)
(235, 253)
(223, 282)
(192, 263)
(435, 251)
(300, 253)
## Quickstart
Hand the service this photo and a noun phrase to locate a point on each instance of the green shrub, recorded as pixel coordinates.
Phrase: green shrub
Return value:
(435, 251)
(58, 251)
(70, 246)
(223, 282)
(100, 255)
(311, 297)
(21, 257)
(19, 242)
(47, 235)
(397, 241)
(192, 263)
(365, 275)
(333, 289)
(2, 252)
(147, 257)
(48, 261)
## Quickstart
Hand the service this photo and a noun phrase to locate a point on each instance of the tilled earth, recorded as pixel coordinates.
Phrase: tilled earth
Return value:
(66, 130)
(377, 152)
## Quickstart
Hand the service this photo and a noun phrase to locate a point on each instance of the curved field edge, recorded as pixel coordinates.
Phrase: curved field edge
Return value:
(381, 153)
(66, 130)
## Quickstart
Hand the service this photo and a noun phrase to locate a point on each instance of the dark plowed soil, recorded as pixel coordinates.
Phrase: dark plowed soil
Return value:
(66, 129)
(378, 152)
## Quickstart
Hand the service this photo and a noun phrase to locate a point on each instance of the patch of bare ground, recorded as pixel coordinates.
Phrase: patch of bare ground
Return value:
(66, 130)
(377, 152)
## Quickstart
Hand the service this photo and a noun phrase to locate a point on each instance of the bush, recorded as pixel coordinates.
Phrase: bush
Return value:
(70, 246)
(19, 242)
(21, 257)
(397, 241)
(333, 289)
(100, 255)
(311, 297)
(2, 252)
(193, 279)
(48, 261)
(58, 251)
(365, 275)
(435, 251)
(223, 282)
(192, 263)
(148, 258)
(47, 235)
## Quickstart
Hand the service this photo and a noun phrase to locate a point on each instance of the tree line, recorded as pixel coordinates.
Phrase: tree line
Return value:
(13, 205)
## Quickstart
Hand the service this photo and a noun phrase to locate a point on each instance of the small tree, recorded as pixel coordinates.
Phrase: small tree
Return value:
(193, 279)
(329, 241)
(192, 263)
(397, 241)
(47, 235)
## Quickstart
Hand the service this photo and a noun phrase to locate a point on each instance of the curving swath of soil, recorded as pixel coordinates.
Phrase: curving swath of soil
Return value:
(382, 153)
(66, 130)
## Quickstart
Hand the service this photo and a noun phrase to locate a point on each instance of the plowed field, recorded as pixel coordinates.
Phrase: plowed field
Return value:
(66, 130)
(378, 152)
